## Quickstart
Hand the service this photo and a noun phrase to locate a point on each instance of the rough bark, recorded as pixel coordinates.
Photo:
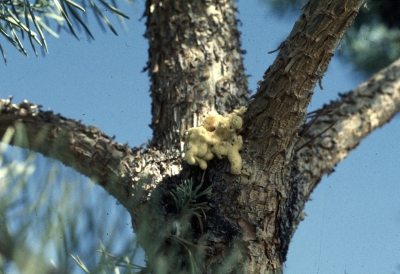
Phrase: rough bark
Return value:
(114, 166)
(341, 126)
(345, 122)
(86, 149)
(361, 111)
(264, 203)
(195, 66)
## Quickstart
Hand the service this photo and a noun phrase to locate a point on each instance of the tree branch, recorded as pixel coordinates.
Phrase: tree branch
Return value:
(279, 106)
(355, 115)
(263, 198)
(115, 167)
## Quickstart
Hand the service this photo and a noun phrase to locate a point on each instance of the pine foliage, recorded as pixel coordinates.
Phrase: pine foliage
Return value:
(20, 19)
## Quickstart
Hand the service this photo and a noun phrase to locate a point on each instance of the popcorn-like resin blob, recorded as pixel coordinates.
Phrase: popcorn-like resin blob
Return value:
(217, 136)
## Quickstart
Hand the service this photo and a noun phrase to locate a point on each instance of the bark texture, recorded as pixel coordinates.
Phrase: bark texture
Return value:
(195, 66)
(340, 127)
(114, 166)
(264, 203)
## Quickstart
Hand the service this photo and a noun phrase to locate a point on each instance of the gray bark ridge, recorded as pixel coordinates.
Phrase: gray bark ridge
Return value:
(267, 199)
(114, 166)
(340, 127)
(195, 65)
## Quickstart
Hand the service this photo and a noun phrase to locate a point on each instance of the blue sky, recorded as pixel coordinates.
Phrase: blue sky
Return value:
(353, 218)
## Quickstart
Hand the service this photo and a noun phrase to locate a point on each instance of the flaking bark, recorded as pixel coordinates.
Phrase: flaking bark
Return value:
(265, 197)
(343, 124)
(195, 66)
(360, 112)
(114, 166)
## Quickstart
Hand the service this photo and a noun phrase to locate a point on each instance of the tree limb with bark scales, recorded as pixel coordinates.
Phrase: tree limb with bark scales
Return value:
(239, 223)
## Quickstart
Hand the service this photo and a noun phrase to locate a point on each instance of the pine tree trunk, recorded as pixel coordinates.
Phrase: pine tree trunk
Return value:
(195, 66)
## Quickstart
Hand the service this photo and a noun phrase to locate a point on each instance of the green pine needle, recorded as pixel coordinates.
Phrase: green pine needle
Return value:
(186, 197)
(28, 18)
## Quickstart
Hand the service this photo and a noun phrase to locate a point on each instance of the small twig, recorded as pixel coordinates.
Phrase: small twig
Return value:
(279, 48)
(201, 224)
(297, 150)
(315, 114)
(202, 177)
